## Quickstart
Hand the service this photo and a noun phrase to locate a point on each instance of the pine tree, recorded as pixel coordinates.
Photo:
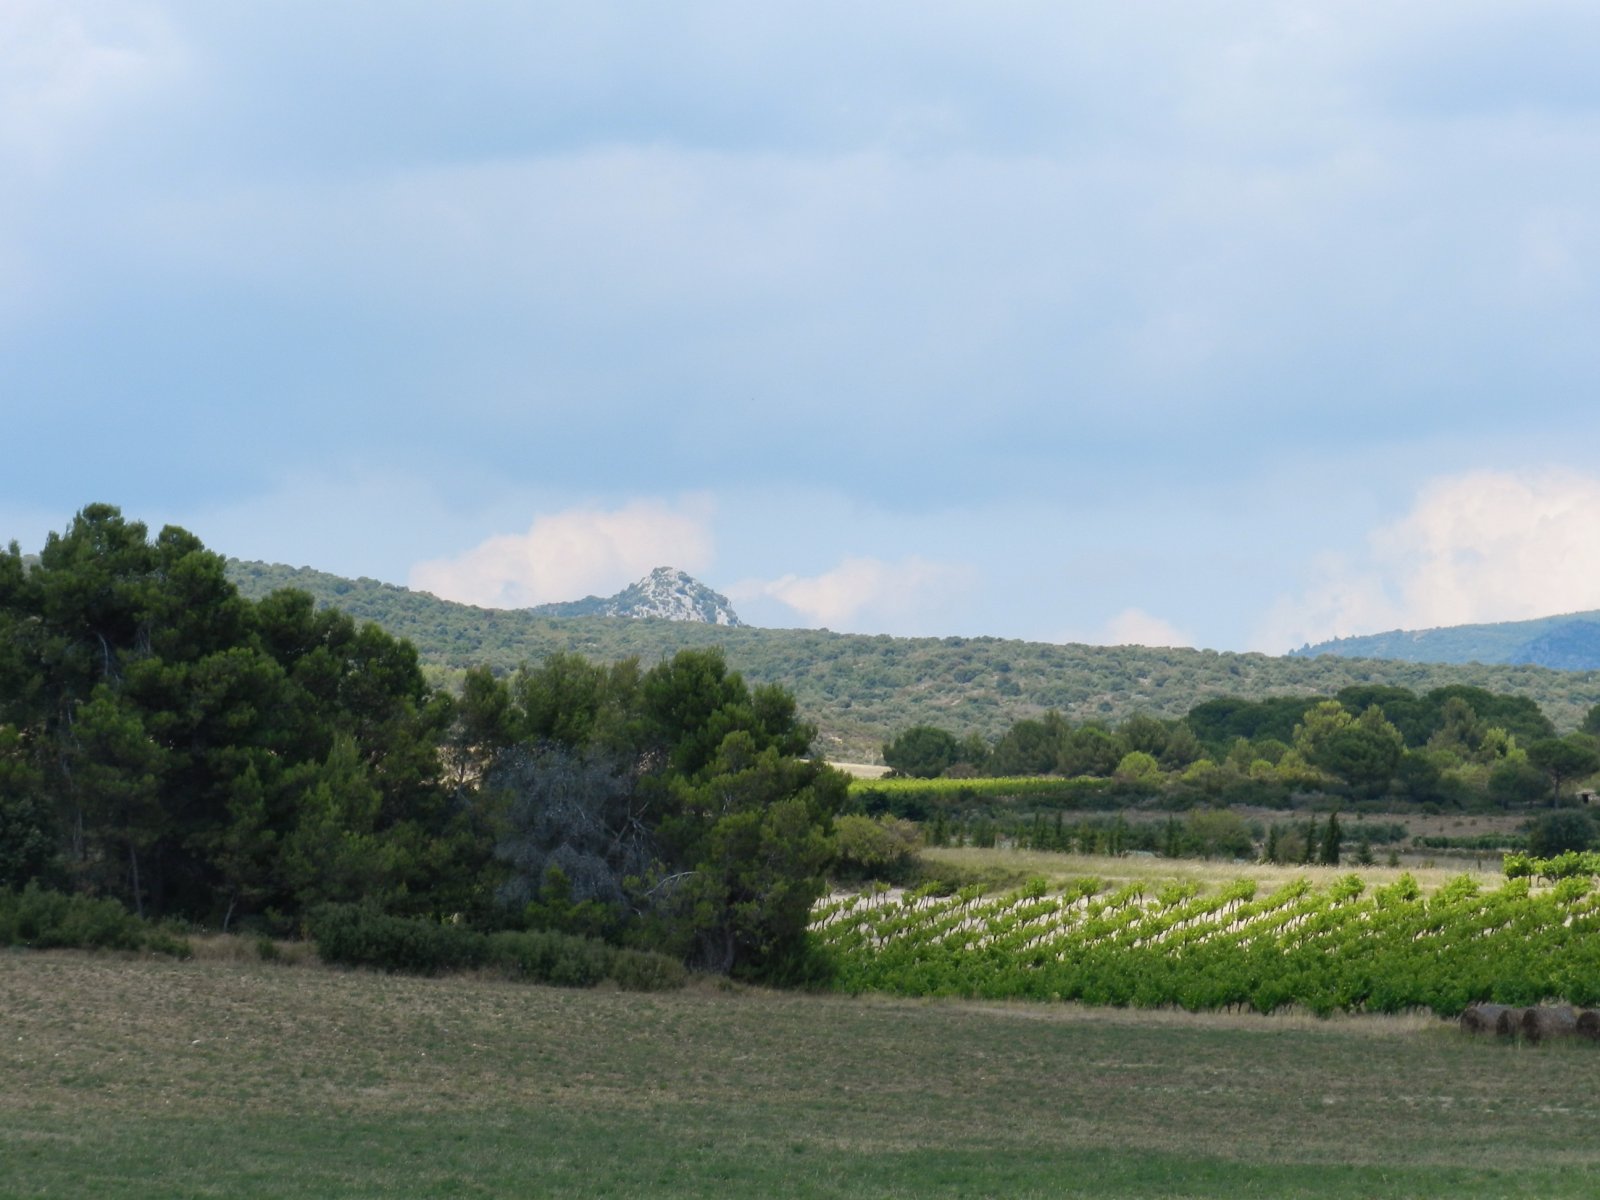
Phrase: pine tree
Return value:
(1332, 839)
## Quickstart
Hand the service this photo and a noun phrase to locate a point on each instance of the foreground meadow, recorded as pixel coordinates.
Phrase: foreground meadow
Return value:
(144, 1077)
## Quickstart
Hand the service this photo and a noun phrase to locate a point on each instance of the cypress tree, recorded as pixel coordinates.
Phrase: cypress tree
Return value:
(1332, 838)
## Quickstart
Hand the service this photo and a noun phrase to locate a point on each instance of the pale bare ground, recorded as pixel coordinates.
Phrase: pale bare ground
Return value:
(861, 770)
(1057, 868)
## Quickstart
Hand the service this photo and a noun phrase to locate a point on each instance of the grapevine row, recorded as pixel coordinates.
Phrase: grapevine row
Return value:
(1343, 947)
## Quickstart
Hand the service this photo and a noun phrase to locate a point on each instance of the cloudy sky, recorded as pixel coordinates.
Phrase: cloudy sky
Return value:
(1183, 321)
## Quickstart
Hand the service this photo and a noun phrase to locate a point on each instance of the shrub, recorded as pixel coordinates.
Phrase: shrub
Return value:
(565, 960)
(644, 971)
(45, 920)
(546, 956)
(865, 848)
(361, 935)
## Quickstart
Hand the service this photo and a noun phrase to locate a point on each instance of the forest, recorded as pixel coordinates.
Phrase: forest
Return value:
(861, 690)
(171, 745)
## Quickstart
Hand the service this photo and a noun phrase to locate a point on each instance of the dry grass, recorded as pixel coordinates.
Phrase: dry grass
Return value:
(232, 948)
(1004, 865)
(227, 1076)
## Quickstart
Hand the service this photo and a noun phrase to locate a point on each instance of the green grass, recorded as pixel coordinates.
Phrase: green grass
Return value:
(139, 1077)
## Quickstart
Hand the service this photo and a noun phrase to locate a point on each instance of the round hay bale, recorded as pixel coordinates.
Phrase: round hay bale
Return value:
(1545, 1022)
(1589, 1025)
(1481, 1018)
(1509, 1022)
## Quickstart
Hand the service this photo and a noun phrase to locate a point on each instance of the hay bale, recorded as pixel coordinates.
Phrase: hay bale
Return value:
(1481, 1018)
(1546, 1022)
(1509, 1022)
(1589, 1025)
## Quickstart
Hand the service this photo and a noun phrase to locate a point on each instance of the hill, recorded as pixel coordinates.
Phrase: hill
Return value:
(861, 689)
(1570, 642)
(665, 593)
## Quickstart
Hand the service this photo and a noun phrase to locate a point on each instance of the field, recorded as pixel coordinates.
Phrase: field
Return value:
(1006, 867)
(1151, 934)
(142, 1077)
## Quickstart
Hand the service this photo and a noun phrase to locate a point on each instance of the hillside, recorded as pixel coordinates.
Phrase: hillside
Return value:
(861, 689)
(1570, 642)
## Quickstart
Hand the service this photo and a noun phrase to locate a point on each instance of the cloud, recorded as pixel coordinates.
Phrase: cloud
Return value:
(1135, 627)
(568, 555)
(864, 591)
(1479, 547)
(64, 69)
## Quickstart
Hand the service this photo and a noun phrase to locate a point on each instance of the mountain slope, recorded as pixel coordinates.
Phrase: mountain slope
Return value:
(665, 593)
(1568, 642)
(860, 690)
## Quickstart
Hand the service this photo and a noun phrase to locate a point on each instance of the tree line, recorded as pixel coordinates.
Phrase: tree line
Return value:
(860, 690)
(1456, 745)
(170, 744)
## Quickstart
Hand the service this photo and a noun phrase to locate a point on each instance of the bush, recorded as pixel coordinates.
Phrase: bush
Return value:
(1563, 829)
(546, 956)
(361, 935)
(47, 920)
(645, 971)
(865, 848)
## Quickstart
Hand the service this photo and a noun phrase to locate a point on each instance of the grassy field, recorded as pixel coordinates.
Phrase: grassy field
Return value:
(1006, 867)
(134, 1078)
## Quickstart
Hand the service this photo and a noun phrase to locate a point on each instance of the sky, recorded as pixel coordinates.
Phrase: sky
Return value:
(1178, 322)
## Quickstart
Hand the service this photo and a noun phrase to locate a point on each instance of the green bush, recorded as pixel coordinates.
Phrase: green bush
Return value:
(546, 956)
(868, 848)
(645, 971)
(566, 960)
(47, 920)
(361, 935)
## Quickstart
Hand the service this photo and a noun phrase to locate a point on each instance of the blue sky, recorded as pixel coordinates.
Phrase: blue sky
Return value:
(1224, 324)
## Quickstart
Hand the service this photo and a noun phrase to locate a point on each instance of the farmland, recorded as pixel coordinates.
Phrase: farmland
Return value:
(1341, 946)
(227, 1077)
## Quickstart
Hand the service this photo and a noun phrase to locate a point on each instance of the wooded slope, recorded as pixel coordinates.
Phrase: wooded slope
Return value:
(860, 689)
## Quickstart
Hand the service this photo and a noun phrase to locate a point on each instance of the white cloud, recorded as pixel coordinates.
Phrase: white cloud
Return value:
(64, 68)
(571, 554)
(1135, 627)
(864, 590)
(1479, 547)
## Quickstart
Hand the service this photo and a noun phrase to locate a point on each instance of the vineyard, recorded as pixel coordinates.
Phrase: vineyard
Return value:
(1343, 947)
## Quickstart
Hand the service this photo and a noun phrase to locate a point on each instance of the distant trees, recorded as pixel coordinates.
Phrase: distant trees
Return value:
(1450, 746)
(1564, 759)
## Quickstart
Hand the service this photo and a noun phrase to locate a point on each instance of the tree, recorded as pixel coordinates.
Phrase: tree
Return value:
(1090, 750)
(1563, 760)
(1332, 841)
(677, 801)
(1364, 752)
(1557, 832)
(922, 752)
(27, 842)
(575, 811)
(1214, 832)
(179, 737)
(1516, 782)
(1030, 747)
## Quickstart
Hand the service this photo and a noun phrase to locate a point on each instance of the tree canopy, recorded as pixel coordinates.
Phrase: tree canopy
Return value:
(166, 742)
